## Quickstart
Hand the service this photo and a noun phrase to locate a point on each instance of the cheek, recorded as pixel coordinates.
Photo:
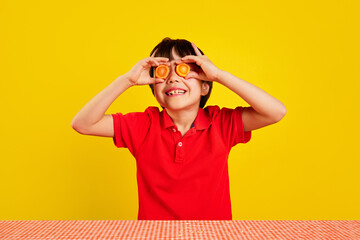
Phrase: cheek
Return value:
(195, 85)
(157, 89)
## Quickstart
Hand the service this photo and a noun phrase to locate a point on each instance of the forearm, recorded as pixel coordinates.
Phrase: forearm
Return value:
(262, 102)
(95, 109)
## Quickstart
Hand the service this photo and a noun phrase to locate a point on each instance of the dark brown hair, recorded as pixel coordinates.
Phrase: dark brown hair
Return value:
(182, 48)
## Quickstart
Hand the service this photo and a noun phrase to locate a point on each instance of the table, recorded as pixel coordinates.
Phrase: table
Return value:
(179, 229)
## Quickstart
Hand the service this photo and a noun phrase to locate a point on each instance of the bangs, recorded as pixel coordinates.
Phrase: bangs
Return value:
(181, 46)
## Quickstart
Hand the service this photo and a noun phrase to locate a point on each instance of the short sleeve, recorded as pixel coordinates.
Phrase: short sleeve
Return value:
(130, 129)
(233, 127)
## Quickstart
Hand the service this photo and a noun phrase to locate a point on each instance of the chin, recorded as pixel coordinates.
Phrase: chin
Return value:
(180, 106)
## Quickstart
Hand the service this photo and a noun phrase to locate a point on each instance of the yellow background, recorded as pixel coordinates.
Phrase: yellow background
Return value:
(55, 56)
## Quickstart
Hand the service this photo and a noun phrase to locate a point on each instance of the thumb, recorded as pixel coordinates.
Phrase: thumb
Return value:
(157, 80)
(200, 76)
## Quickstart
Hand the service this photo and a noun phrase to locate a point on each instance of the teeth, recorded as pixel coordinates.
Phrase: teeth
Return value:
(176, 92)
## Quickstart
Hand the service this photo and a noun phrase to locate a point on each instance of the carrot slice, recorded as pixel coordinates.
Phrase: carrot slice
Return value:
(161, 71)
(182, 69)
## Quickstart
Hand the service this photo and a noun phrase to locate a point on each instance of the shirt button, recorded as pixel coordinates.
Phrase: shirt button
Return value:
(174, 130)
(180, 144)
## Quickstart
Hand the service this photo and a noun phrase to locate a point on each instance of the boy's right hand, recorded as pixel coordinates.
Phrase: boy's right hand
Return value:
(139, 74)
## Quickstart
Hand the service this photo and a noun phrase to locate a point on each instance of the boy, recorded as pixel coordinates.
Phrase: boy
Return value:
(182, 151)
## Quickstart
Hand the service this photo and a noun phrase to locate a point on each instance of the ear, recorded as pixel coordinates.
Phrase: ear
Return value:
(204, 88)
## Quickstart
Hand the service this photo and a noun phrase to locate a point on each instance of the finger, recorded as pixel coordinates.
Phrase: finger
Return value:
(197, 51)
(159, 80)
(192, 75)
(161, 58)
(152, 62)
(199, 76)
(164, 59)
(188, 58)
(192, 59)
(162, 62)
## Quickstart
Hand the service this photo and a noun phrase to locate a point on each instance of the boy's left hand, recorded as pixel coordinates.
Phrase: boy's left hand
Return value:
(208, 70)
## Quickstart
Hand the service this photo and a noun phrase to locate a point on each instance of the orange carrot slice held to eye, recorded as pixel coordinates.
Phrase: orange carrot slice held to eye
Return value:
(182, 69)
(161, 71)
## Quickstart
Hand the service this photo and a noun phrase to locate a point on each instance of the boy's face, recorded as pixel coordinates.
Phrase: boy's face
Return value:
(189, 91)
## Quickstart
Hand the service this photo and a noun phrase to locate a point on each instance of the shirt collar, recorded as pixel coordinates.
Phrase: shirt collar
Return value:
(202, 120)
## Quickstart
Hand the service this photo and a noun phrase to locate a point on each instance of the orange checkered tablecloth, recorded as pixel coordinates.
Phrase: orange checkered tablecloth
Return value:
(179, 229)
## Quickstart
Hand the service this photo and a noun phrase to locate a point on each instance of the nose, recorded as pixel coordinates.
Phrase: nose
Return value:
(172, 77)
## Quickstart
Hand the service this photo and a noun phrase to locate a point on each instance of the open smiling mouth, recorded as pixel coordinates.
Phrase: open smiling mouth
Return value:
(175, 93)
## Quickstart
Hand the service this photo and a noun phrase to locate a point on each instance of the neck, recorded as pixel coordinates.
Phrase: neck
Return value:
(183, 118)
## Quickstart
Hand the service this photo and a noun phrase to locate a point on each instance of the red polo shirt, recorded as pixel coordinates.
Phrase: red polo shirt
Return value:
(182, 177)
